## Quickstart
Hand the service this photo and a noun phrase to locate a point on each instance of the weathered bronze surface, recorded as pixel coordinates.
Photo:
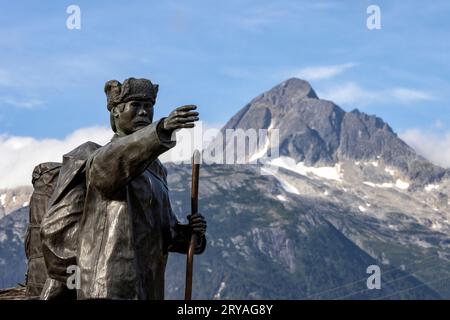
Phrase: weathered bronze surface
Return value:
(119, 226)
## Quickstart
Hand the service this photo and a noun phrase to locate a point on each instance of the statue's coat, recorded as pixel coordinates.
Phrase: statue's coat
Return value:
(127, 226)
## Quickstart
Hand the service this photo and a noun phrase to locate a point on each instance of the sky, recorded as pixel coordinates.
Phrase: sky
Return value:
(219, 56)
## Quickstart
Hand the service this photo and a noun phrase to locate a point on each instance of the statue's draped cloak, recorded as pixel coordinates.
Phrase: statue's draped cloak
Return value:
(60, 224)
(127, 226)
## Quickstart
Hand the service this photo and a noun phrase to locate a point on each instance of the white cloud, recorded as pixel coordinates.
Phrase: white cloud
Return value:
(18, 78)
(259, 17)
(410, 95)
(5, 79)
(434, 147)
(276, 12)
(323, 72)
(438, 124)
(19, 155)
(236, 72)
(322, 5)
(351, 93)
(26, 104)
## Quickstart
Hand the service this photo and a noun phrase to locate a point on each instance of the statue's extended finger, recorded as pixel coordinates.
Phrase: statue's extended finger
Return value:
(186, 125)
(188, 107)
(187, 114)
(189, 119)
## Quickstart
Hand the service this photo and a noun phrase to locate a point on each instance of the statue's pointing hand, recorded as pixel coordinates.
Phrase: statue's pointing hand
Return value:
(182, 117)
(198, 223)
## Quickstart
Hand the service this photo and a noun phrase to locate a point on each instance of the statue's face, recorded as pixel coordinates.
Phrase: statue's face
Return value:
(132, 116)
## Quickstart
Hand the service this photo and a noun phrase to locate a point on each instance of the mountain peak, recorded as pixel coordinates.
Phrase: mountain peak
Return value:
(296, 82)
(295, 88)
(318, 132)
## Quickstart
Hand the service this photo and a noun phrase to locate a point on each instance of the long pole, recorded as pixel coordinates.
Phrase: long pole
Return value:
(194, 209)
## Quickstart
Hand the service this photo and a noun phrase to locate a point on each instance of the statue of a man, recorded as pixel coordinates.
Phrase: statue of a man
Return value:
(128, 227)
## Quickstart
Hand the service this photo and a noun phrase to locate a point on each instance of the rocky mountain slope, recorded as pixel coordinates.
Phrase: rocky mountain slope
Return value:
(13, 199)
(267, 242)
(12, 253)
(344, 193)
(318, 132)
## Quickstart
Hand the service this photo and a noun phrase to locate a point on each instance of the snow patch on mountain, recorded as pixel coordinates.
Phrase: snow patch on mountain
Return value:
(436, 225)
(431, 187)
(392, 172)
(219, 292)
(329, 173)
(400, 184)
(263, 151)
(377, 185)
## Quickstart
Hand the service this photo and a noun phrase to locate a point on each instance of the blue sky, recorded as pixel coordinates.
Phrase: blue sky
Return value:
(219, 55)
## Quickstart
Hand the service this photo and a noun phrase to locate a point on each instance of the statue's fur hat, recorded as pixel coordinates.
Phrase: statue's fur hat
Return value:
(131, 89)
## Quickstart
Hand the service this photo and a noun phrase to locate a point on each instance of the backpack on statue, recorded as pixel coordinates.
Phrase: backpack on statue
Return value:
(56, 208)
(45, 176)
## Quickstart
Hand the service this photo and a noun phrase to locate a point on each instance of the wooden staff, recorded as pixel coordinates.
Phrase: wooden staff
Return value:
(194, 209)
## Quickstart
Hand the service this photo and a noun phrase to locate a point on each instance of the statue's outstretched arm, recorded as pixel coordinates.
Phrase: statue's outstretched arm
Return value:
(111, 167)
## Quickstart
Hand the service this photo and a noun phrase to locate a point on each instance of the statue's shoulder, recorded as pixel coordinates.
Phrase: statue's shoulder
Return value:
(73, 166)
(83, 151)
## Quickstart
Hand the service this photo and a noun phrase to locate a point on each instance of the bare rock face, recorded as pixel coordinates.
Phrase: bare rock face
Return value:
(318, 132)
(13, 199)
(266, 243)
(12, 253)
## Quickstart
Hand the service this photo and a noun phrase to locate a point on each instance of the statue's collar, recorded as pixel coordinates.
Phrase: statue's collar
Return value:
(115, 137)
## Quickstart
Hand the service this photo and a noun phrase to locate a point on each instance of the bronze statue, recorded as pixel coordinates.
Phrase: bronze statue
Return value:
(119, 227)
